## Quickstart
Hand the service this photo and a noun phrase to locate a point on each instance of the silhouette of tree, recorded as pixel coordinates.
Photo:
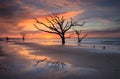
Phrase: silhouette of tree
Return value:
(23, 34)
(57, 25)
(7, 38)
(79, 37)
(78, 32)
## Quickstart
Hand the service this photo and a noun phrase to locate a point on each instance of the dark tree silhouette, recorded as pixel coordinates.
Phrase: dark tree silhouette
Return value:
(23, 34)
(78, 32)
(7, 38)
(57, 25)
(79, 37)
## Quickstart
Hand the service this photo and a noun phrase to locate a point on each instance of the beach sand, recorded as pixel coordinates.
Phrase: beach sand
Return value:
(35, 61)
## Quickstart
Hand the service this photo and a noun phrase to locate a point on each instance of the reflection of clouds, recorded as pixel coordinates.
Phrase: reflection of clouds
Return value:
(26, 53)
(3, 67)
(41, 61)
(78, 73)
(61, 69)
(80, 70)
(40, 71)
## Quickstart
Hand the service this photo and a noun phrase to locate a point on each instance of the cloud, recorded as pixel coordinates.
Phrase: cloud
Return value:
(105, 31)
(13, 12)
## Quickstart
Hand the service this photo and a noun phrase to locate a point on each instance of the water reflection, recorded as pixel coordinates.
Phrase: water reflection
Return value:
(2, 58)
(26, 54)
(28, 61)
(44, 61)
(50, 43)
(25, 65)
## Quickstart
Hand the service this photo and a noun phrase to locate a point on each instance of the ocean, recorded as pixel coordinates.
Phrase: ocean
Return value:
(73, 41)
(112, 44)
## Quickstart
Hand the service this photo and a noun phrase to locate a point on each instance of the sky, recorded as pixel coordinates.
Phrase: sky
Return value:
(102, 16)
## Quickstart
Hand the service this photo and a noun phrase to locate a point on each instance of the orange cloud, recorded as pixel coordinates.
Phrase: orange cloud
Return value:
(28, 23)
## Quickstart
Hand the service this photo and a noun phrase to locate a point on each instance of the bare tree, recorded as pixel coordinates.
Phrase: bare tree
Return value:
(56, 24)
(78, 32)
(79, 37)
(23, 34)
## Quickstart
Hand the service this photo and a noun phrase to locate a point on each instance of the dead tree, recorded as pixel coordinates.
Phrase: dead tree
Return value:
(56, 24)
(79, 37)
(23, 34)
(79, 32)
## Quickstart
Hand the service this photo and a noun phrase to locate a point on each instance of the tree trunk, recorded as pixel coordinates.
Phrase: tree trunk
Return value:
(78, 38)
(63, 41)
(23, 38)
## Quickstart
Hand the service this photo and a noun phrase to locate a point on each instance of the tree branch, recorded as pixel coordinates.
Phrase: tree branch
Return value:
(44, 30)
(70, 35)
(82, 38)
(53, 25)
(41, 22)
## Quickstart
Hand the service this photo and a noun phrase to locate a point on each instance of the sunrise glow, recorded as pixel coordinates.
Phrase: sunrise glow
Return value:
(98, 21)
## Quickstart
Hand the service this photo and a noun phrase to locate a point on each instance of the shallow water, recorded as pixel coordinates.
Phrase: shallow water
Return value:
(111, 44)
(21, 64)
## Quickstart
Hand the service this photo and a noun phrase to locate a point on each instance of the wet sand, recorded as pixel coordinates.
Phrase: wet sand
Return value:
(35, 61)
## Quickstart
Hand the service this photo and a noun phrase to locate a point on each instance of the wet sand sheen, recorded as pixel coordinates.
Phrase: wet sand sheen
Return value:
(33, 61)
